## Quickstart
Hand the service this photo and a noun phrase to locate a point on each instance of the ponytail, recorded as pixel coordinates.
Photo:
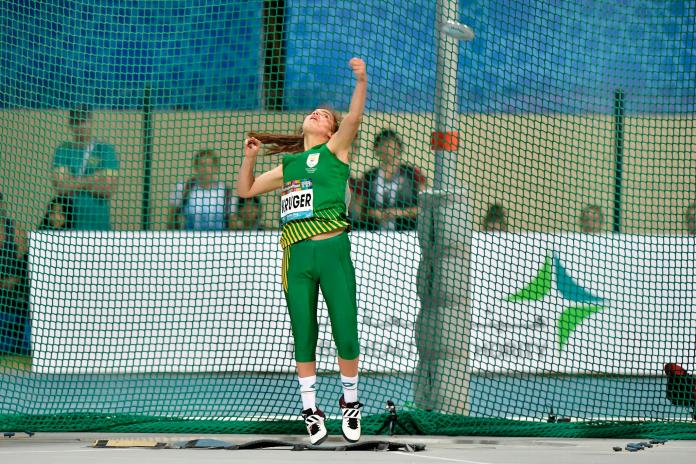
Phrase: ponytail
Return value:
(280, 143)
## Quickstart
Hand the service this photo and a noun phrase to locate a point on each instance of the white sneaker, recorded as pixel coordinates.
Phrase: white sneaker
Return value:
(314, 420)
(350, 424)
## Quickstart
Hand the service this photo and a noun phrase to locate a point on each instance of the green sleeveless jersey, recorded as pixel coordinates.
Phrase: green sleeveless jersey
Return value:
(314, 195)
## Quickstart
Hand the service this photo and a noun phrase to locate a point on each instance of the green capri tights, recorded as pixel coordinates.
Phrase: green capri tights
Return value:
(311, 264)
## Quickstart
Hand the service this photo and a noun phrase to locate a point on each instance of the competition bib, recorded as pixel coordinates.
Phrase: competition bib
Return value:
(296, 201)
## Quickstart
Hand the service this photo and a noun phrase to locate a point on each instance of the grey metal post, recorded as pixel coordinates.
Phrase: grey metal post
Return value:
(444, 229)
(619, 109)
(147, 158)
(446, 114)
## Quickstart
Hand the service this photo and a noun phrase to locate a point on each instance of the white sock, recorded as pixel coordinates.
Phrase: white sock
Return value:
(350, 388)
(308, 392)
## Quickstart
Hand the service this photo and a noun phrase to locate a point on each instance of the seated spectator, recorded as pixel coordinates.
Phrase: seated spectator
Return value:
(14, 307)
(357, 214)
(59, 215)
(592, 219)
(691, 219)
(203, 202)
(391, 190)
(248, 216)
(495, 219)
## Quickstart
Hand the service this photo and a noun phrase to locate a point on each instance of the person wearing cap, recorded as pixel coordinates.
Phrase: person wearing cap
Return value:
(85, 170)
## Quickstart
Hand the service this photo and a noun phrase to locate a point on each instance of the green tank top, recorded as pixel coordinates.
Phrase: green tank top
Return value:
(314, 199)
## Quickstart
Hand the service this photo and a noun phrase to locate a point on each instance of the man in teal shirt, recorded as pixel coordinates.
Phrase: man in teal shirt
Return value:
(86, 170)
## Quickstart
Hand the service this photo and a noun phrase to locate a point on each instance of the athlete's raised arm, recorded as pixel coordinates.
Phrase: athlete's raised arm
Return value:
(341, 141)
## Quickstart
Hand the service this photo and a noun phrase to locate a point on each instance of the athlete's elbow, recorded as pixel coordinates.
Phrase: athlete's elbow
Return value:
(242, 193)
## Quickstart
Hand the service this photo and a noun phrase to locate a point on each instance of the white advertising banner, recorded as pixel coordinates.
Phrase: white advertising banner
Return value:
(574, 303)
(117, 302)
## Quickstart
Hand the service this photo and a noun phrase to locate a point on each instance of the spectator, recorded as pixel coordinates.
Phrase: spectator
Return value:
(203, 202)
(392, 188)
(86, 170)
(248, 215)
(691, 219)
(59, 215)
(357, 215)
(592, 219)
(495, 219)
(13, 289)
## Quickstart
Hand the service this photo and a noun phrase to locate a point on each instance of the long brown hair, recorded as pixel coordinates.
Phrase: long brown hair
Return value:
(293, 143)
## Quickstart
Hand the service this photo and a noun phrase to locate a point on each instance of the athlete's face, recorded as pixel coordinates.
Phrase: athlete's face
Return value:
(319, 121)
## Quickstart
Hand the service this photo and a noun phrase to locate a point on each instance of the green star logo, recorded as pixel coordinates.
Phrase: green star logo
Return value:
(582, 304)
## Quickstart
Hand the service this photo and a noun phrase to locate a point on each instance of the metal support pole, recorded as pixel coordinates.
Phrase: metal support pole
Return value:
(446, 114)
(147, 157)
(618, 156)
(444, 229)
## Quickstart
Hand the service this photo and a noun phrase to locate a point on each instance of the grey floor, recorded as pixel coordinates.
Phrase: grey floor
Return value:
(76, 449)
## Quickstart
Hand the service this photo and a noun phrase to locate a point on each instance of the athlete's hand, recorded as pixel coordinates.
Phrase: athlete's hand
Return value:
(359, 68)
(251, 147)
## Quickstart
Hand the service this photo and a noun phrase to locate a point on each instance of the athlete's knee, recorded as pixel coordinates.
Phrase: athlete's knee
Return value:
(305, 338)
(305, 351)
(348, 347)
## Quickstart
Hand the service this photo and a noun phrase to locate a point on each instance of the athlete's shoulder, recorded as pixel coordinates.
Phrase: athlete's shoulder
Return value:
(325, 147)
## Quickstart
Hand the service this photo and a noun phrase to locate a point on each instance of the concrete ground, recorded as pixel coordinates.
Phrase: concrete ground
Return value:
(76, 448)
